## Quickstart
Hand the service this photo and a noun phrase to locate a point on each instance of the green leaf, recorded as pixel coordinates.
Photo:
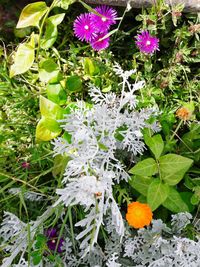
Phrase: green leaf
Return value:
(65, 3)
(32, 14)
(51, 31)
(24, 58)
(50, 109)
(155, 144)
(157, 193)
(187, 196)
(49, 71)
(47, 129)
(56, 93)
(173, 167)
(36, 257)
(174, 202)
(60, 163)
(140, 183)
(142, 199)
(90, 67)
(147, 167)
(74, 83)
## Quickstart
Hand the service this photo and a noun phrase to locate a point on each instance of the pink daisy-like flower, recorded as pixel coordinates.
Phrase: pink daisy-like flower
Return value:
(98, 43)
(83, 28)
(147, 43)
(102, 24)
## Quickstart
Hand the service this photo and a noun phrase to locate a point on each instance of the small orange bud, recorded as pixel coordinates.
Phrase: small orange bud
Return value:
(98, 194)
(139, 215)
(183, 113)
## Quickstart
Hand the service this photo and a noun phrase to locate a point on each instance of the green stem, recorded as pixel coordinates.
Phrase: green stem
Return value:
(175, 132)
(42, 26)
(72, 228)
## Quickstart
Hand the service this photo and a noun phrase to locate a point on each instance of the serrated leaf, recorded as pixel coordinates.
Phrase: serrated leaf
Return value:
(157, 193)
(50, 109)
(140, 183)
(24, 58)
(47, 129)
(32, 14)
(173, 167)
(155, 144)
(147, 167)
(174, 202)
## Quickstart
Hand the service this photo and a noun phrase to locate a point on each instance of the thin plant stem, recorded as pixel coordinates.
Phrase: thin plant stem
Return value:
(175, 132)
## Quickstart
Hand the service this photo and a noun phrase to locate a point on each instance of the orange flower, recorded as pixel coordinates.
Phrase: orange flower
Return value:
(139, 215)
(183, 113)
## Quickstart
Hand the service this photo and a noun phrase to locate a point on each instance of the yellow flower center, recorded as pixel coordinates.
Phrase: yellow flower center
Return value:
(104, 19)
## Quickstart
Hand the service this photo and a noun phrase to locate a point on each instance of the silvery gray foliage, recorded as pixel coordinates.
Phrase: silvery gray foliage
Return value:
(28, 195)
(15, 235)
(112, 261)
(94, 166)
(158, 245)
(180, 220)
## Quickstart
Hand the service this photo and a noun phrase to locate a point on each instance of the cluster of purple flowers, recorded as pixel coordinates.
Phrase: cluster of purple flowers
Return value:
(92, 28)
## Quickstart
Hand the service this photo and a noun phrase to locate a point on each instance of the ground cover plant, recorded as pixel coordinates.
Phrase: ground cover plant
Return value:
(99, 136)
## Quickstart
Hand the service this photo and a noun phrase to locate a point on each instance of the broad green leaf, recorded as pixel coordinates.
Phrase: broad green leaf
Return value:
(47, 129)
(60, 163)
(50, 109)
(157, 193)
(74, 83)
(24, 58)
(147, 167)
(140, 183)
(174, 202)
(173, 167)
(56, 93)
(49, 71)
(32, 14)
(142, 199)
(187, 196)
(155, 144)
(51, 31)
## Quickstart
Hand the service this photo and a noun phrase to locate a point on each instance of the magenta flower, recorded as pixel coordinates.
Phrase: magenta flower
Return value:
(102, 24)
(147, 43)
(83, 28)
(25, 165)
(98, 43)
(52, 236)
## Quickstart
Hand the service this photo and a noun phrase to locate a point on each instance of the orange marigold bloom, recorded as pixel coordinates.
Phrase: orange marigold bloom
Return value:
(183, 113)
(139, 215)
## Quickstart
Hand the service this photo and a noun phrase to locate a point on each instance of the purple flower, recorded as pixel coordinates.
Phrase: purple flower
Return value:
(83, 28)
(25, 165)
(98, 43)
(52, 236)
(102, 24)
(147, 43)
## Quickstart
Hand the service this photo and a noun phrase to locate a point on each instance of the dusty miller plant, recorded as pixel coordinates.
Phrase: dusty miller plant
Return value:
(96, 133)
(160, 245)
